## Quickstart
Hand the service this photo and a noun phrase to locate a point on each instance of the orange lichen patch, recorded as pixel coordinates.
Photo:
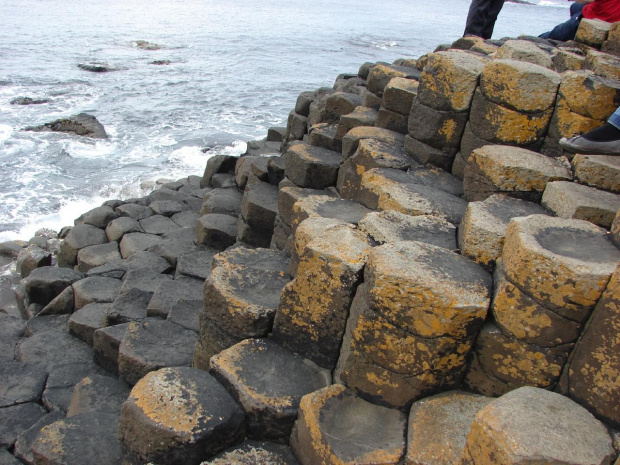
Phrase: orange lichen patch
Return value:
(449, 80)
(380, 73)
(566, 123)
(53, 436)
(510, 126)
(417, 286)
(168, 401)
(448, 129)
(519, 85)
(518, 169)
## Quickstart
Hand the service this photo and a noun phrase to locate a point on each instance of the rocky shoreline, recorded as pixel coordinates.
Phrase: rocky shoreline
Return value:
(411, 271)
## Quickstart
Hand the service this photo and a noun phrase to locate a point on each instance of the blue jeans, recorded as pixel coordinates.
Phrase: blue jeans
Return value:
(567, 30)
(614, 119)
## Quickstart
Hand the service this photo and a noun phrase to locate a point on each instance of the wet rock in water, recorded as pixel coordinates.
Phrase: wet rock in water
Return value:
(146, 45)
(82, 124)
(28, 101)
(95, 67)
(160, 62)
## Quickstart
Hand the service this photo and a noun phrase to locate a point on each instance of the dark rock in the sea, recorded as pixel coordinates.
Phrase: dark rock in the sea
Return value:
(80, 236)
(160, 62)
(28, 101)
(10, 249)
(99, 216)
(146, 45)
(82, 125)
(95, 67)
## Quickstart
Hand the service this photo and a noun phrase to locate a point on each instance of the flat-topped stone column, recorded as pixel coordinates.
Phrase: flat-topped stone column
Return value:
(553, 272)
(268, 381)
(178, 416)
(412, 323)
(336, 427)
(532, 425)
(314, 307)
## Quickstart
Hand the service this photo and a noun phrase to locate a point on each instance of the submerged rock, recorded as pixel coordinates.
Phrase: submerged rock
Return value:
(28, 101)
(82, 124)
(95, 67)
(146, 45)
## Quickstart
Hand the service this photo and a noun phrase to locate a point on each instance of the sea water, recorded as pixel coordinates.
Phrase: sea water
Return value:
(236, 69)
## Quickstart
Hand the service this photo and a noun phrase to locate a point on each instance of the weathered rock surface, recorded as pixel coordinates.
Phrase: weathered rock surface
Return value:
(83, 125)
(153, 344)
(253, 452)
(337, 427)
(530, 425)
(178, 416)
(96, 393)
(269, 382)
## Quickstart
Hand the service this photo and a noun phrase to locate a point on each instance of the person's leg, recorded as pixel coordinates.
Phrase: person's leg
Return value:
(476, 18)
(565, 31)
(576, 8)
(492, 12)
(604, 140)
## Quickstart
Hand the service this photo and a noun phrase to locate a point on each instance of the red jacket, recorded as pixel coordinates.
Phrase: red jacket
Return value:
(607, 10)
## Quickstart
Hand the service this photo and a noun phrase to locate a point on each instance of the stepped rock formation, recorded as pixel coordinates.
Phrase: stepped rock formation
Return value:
(411, 271)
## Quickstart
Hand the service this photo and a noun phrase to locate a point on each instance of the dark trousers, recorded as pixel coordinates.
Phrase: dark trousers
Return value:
(482, 16)
(567, 30)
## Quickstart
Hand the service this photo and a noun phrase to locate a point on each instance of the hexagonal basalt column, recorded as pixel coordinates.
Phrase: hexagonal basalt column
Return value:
(336, 427)
(532, 425)
(178, 416)
(313, 308)
(412, 323)
(513, 171)
(310, 166)
(241, 297)
(269, 382)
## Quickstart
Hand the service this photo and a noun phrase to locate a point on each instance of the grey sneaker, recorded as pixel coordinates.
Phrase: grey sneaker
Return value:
(578, 144)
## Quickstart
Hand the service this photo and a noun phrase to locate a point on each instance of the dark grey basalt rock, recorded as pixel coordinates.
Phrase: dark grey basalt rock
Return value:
(21, 382)
(39, 324)
(23, 444)
(106, 342)
(98, 217)
(178, 416)
(95, 289)
(45, 283)
(88, 439)
(11, 332)
(16, 419)
(53, 348)
(87, 320)
(28, 101)
(63, 378)
(171, 292)
(153, 344)
(96, 67)
(130, 306)
(80, 236)
(96, 393)
(82, 124)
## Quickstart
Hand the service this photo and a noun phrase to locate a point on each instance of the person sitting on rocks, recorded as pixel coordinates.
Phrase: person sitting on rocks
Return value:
(481, 17)
(605, 10)
(604, 140)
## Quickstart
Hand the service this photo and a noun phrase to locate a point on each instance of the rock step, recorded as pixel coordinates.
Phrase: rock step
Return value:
(335, 426)
(268, 382)
(178, 416)
(312, 166)
(240, 299)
